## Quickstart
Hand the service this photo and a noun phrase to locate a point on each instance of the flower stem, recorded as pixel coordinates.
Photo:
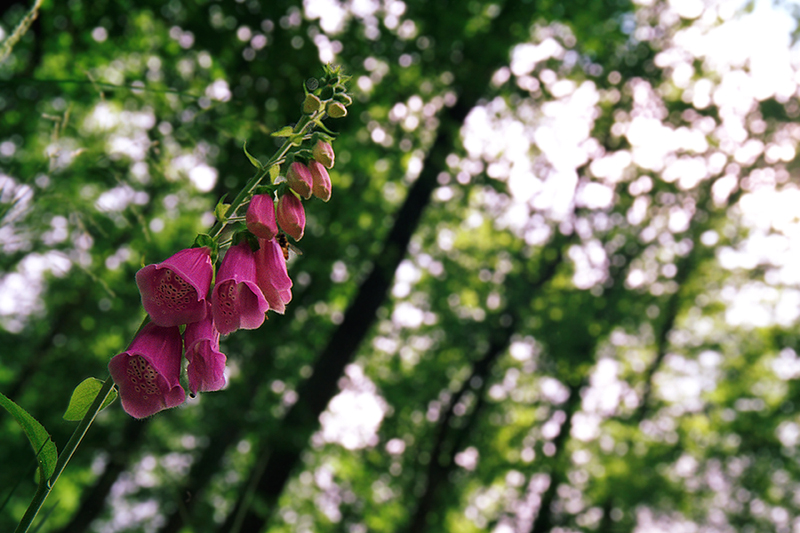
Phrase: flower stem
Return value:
(83, 426)
(248, 189)
(63, 458)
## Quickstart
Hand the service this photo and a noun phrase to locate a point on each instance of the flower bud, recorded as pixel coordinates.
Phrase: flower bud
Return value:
(321, 181)
(299, 178)
(344, 98)
(323, 152)
(260, 217)
(311, 104)
(291, 216)
(336, 110)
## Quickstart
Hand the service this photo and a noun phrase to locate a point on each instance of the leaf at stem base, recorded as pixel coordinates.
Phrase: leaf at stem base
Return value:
(43, 446)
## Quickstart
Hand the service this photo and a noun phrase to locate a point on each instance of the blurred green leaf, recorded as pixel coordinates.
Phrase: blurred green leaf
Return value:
(43, 446)
(286, 131)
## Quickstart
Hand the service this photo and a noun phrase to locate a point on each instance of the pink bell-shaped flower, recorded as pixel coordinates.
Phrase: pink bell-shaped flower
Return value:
(148, 373)
(174, 291)
(323, 152)
(260, 217)
(206, 369)
(291, 216)
(321, 181)
(299, 179)
(236, 300)
(271, 275)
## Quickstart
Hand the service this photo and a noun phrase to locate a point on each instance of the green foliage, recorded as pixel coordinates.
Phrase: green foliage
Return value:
(83, 396)
(518, 311)
(39, 438)
(253, 161)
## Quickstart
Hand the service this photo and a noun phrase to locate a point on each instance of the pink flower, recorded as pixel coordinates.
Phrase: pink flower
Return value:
(323, 152)
(261, 217)
(147, 373)
(236, 300)
(299, 179)
(271, 275)
(206, 370)
(321, 181)
(174, 291)
(291, 216)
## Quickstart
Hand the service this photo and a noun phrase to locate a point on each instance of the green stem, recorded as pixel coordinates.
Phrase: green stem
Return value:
(66, 454)
(63, 458)
(248, 189)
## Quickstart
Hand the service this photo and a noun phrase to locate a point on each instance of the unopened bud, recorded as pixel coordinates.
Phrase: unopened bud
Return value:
(322, 181)
(311, 104)
(336, 110)
(323, 152)
(299, 179)
(291, 215)
(344, 98)
(260, 217)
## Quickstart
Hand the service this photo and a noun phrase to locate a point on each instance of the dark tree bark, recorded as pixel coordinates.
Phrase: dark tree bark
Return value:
(282, 453)
(199, 476)
(93, 501)
(314, 394)
(449, 440)
(544, 518)
(686, 267)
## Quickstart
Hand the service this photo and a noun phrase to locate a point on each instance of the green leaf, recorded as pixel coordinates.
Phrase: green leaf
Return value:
(221, 211)
(255, 162)
(318, 123)
(206, 240)
(274, 172)
(286, 131)
(45, 448)
(83, 396)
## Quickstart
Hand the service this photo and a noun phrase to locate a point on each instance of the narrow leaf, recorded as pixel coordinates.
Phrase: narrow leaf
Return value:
(45, 448)
(83, 396)
(286, 131)
(255, 162)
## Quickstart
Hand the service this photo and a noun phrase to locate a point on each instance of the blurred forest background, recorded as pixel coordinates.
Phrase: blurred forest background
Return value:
(555, 288)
